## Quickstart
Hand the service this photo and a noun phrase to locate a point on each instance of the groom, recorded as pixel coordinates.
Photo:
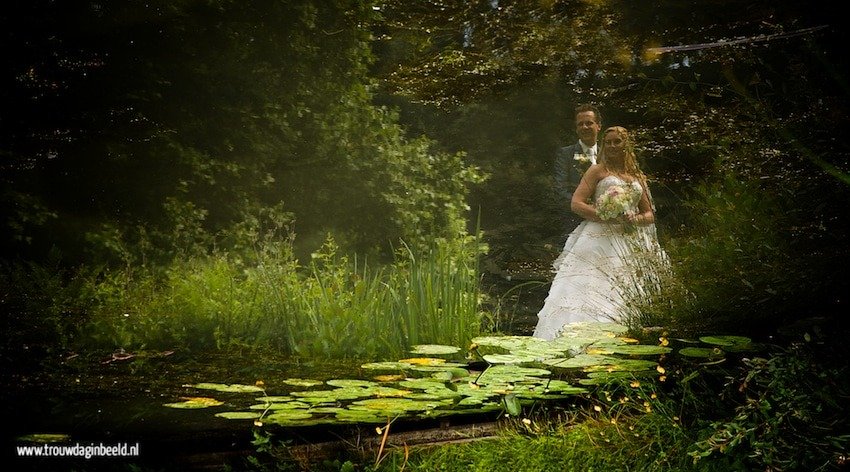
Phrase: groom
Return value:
(572, 161)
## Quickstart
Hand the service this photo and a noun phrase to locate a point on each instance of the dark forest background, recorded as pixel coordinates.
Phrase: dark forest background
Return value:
(138, 133)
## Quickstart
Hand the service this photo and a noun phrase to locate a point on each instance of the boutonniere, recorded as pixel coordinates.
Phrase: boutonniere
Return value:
(581, 157)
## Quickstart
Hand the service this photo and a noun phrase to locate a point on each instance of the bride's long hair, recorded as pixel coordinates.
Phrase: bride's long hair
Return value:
(630, 166)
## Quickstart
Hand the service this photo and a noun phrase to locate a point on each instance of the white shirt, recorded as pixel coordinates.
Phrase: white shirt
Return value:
(589, 151)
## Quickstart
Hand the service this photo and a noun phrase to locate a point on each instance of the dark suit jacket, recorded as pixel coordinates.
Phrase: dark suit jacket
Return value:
(567, 176)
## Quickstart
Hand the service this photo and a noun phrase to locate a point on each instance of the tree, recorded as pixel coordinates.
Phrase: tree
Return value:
(168, 125)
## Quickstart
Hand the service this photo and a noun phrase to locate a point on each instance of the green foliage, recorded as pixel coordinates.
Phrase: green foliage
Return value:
(42, 306)
(332, 308)
(732, 265)
(792, 417)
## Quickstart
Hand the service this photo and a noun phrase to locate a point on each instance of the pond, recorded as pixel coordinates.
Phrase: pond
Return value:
(111, 401)
(179, 408)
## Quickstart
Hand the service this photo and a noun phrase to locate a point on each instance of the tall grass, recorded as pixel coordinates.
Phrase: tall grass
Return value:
(435, 296)
(732, 267)
(332, 307)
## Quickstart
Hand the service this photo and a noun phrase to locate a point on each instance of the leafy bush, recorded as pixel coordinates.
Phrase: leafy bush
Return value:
(732, 265)
(791, 418)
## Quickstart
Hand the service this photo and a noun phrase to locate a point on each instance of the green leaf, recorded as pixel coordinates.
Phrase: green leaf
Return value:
(512, 404)
(239, 415)
(702, 352)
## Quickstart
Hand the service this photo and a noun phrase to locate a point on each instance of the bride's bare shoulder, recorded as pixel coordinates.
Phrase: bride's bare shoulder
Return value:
(596, 172)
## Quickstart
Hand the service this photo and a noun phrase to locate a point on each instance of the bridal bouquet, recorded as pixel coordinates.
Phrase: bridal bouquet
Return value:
(614, 203)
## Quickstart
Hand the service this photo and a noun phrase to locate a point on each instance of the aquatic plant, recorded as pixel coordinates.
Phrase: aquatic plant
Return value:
(332, 307)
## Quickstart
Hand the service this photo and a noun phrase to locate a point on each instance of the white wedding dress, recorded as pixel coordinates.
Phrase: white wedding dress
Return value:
(602, 264)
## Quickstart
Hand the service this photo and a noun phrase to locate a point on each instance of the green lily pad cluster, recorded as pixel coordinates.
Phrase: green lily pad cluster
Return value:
(421, 393)
(520, 368)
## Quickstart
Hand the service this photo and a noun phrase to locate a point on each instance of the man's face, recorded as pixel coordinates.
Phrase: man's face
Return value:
(587, 127)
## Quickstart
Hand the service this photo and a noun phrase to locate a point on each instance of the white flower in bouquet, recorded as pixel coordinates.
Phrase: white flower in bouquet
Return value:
(581, 157)
(615, 202)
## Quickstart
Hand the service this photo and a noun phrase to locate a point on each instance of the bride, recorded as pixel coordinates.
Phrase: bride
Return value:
(601, 256)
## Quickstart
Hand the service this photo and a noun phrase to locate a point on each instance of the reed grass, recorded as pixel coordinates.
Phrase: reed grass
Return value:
(332, 307)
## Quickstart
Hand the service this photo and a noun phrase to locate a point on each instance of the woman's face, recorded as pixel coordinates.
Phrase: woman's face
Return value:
(615, 145)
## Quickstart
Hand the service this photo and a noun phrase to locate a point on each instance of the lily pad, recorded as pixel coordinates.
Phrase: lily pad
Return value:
(391, 406)
(194, 403)
(726, 340)
(701, 352)
(45, 438)
(607, 342)
(509, 358)
(602, 378)
(572, 344)
(361, 416)
(581, 360)
(511, 343)
(594, 350)
(470, 390)
(330, 396)
(231, 388)
(434, 349)
(450, 374)
(550, 349)
(543, 392)
(437, 367)
(623, 365)
(303, 382)
(386, 366)
(291, 405)
(435, 395)
(239, 415)
(472, 401)
(388, 392)
(326, 409)
(424, 361)
(389, 377)
(563, 387)
(638, 349)
(423, 383)
(483, 408)
(591, 328)
(274, 399)
(288, 417)
(351, 383)
(511, 373)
